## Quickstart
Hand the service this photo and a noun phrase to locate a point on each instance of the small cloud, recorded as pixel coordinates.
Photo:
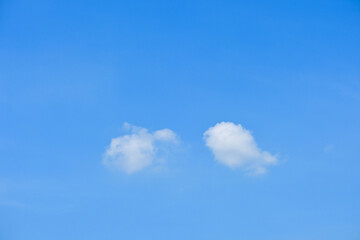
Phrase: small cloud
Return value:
(329, 148)
(235, 147)
(138, 150)
(165, 135)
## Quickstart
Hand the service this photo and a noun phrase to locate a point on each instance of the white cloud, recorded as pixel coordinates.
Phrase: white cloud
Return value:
(136, 151)
(235, 147)
(165, 135)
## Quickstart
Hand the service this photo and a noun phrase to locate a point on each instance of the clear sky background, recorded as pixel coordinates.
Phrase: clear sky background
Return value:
(73, 72)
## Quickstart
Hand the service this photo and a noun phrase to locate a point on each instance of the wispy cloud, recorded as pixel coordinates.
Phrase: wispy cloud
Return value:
(329, 148)
(133, 152)
(235, 147)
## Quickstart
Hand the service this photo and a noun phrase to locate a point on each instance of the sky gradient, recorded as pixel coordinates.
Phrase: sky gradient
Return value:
(73, 72)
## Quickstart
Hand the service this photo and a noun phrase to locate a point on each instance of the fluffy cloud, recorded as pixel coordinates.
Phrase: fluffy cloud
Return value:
(138, 150)
(235, 147)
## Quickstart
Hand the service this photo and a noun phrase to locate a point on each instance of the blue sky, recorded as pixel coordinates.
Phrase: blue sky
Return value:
(73, 72)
